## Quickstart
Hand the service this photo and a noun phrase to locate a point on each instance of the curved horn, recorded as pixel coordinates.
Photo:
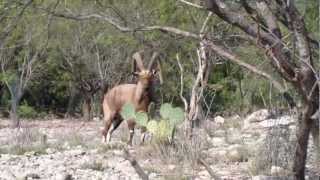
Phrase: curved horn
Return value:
(153, 58)
(160, 72)
(137, 61)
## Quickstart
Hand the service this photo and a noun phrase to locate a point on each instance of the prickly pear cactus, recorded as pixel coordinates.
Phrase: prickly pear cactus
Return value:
(170, 118)
(141, 118)
(128, 111)
(161, 129)
(176, 116)
(164, 130)
(152, 126)
(165, 110)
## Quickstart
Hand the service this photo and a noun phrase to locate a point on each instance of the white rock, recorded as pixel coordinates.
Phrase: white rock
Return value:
(63, 176)
(259, 115)
(283, 120)
(152, 175)
(219, 120)
(218, 141)
(76, 152)
(30, 153)
(66, 145)
(96, 119)
(222, 153)
(50, 151)
(7, 175)
(234, 118)
(171, 167)
(276, 171)
(220, 133)
(255, 117)
(234, 136)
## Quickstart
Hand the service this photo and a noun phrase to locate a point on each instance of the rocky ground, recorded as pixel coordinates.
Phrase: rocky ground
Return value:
(254, 147)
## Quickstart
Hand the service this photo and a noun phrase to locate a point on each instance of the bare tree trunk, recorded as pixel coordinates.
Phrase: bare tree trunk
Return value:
(14, 112)
(316, 140)
(305, 125)
(86, 109)
(70, 108)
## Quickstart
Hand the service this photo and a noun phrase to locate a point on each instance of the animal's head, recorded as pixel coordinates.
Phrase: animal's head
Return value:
(146, 75)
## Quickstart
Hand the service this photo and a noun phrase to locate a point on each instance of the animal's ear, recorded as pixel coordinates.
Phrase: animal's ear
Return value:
(137, 64)
(135, 74)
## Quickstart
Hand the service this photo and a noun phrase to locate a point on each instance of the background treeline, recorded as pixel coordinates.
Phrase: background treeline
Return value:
(62, 65)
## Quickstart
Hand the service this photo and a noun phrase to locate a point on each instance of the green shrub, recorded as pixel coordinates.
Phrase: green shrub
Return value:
(26, 111)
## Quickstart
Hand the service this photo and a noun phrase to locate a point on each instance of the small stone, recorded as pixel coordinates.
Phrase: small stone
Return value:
(64, 177)
(152, 175)
(96, 119)
(50, 151)
(30, 153)
(77, 152)
(276, 171)
(66, 145)
(222, 153)
(32, 176)
(171, 167)
(219, 120)
(217, 141)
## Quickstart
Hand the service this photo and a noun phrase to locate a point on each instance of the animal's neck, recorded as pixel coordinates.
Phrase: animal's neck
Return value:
(140, 90)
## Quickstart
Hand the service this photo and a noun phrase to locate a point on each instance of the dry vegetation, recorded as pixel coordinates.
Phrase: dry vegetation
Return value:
(228, 151)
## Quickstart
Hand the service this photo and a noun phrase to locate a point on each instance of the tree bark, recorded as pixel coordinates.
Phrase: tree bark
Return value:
(14, 112)
(304, 128)
(86, 109)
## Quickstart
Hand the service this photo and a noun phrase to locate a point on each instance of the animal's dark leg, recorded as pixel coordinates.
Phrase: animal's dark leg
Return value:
(143, 135)
(131, 124)
(118, 120)
(115, 124)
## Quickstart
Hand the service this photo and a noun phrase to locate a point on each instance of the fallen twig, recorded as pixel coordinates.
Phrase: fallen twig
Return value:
(135, 165)
(209, 169)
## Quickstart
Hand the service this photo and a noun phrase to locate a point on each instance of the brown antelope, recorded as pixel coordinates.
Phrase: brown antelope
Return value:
(138, 94)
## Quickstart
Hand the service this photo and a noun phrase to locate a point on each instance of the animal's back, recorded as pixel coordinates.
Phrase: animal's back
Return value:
(119, 95)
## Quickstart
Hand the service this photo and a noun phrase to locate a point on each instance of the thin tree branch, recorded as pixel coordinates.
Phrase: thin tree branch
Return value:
(192, 4)
(10, 27)
(233, 58)
(218, 49)
(205, 23)
(182, 85)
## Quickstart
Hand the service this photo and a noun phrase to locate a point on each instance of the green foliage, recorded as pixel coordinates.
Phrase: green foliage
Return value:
(141, 118)
(152, 126)
(26, 111)
(163, 128)
(128, 111)
(165, 110)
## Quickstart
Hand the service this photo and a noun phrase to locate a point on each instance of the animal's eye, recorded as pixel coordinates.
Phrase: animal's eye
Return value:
(154, 71)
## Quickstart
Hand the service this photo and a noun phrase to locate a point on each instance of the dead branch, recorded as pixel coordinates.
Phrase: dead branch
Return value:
(134, 163)
(182, 84)
(208, 168)
(235, 59)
